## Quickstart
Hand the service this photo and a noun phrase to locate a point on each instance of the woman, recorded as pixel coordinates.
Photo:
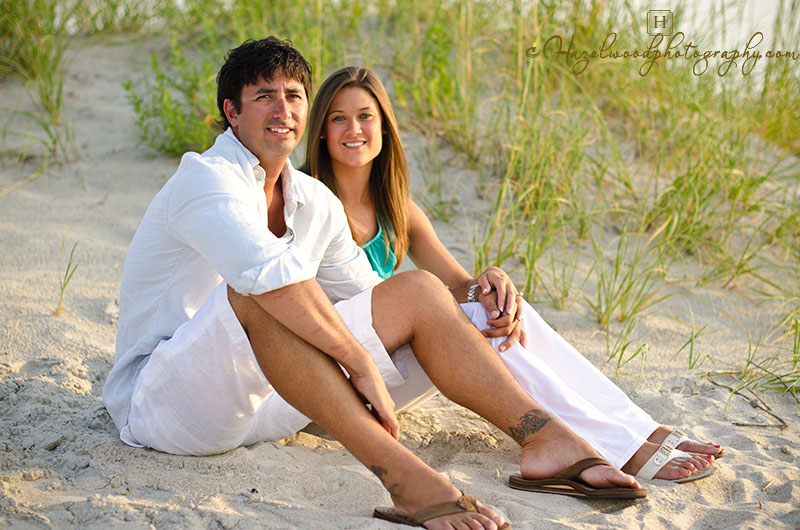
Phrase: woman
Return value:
(354, 148)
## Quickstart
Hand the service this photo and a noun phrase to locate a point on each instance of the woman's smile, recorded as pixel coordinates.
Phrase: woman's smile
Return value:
(353, 129)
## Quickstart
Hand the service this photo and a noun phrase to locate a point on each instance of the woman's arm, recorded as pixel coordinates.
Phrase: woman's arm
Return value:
(497, 293)
(427, 252)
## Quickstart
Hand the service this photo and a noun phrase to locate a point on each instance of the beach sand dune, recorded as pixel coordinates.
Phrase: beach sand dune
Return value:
(63, 466)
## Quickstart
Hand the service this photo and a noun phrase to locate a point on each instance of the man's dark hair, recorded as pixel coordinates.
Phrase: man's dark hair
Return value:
(254, 60)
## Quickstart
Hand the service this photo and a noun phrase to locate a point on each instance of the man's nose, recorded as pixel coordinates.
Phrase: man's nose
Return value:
(281, 109)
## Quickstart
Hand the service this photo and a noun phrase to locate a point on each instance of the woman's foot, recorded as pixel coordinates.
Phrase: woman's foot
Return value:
(690, 446)
(676, 469)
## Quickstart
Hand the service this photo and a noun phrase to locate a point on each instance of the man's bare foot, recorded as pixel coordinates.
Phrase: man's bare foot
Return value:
(555, 447)
(660, 434)
(679, 467)
(429, 488)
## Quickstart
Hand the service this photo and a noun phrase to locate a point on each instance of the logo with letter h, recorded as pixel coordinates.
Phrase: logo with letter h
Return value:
(659, 22)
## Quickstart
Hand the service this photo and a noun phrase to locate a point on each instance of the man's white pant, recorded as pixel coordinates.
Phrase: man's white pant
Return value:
(202, 391)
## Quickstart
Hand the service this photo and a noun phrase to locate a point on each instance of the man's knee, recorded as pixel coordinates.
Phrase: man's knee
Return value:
(415, 292)
(418, 281)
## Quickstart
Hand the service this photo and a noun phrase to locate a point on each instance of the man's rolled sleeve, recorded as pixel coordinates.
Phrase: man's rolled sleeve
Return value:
(283, 269)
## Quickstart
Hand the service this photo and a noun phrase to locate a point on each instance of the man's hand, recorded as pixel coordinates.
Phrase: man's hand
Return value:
(494, 278)
(501, 299)
(372, 389)
(307, 312)
(503, 325)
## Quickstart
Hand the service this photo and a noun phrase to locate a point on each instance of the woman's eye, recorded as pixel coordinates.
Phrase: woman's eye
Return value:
(366, 116)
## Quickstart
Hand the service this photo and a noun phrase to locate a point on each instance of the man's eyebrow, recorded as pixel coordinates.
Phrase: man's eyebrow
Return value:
(273, 90)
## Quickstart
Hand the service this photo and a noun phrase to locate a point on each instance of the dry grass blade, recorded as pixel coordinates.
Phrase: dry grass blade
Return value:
(755, 402)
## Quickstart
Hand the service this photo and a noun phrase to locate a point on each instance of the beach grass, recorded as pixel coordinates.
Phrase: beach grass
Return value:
(633, 280)
(69, 271)
(437, 197)
(691, 345)
(626, 348)
(35, 45)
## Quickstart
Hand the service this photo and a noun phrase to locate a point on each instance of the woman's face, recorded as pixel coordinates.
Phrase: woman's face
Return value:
(353, 130)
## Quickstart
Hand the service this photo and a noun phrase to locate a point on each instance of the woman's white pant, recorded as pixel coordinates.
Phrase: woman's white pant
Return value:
(571, 388)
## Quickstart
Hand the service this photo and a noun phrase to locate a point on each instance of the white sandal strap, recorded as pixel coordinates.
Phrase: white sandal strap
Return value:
(660, 458)
(676, 437)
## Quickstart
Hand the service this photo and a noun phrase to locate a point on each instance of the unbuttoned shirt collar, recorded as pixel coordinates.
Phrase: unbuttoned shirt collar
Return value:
(293, 197)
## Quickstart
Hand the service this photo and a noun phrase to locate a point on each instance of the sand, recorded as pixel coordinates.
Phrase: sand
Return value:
(63, 466)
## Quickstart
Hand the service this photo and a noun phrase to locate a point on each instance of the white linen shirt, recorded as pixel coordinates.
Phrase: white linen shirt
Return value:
(208, 224)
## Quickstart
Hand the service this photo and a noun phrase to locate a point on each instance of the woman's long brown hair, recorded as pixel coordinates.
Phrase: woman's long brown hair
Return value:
(388, 181)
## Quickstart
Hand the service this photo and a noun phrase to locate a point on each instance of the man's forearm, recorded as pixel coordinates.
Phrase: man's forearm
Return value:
(459, 292)
(306, 311)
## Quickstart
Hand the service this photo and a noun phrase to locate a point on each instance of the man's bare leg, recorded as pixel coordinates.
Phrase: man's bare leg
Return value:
(415, 307)
(314, 384)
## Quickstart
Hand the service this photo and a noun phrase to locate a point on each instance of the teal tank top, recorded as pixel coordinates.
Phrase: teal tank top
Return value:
(376, 253)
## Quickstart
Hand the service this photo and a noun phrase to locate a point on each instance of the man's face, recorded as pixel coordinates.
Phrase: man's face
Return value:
(272, 118)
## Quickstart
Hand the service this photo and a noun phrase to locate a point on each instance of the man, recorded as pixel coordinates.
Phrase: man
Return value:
(228, 334)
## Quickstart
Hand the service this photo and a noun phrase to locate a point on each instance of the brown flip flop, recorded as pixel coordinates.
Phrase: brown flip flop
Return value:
(466, 503)
(568, 483)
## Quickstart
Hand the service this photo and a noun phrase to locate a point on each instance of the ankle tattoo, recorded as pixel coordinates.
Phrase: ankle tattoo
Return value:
(380, 472)
(530, 423)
